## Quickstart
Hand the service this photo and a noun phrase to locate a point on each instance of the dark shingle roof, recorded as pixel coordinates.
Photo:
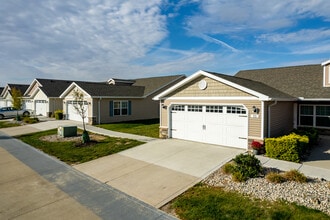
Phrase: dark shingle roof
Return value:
(255, 86)
(153, 84)
(298, 81)
(105, 90)
(53, 87)
(140, 88)
(21, 87)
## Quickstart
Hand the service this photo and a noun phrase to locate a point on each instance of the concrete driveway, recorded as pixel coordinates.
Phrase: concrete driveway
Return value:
(158, 171)
(320, 155)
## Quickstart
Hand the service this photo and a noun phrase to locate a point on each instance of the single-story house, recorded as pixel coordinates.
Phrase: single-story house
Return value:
(2, 102)
(252, 105)
(6, 97)
(117, 99)
(43, 96)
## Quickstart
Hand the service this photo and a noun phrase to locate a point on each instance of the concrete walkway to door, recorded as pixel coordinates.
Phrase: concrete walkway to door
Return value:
(160, 170)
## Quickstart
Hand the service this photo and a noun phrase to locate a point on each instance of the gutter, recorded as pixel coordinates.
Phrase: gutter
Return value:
(269, 120)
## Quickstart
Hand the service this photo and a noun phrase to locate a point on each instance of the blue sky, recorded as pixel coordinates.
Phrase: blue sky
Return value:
(96, 40)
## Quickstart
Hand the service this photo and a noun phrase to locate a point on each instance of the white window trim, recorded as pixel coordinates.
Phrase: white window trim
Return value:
(120, 107)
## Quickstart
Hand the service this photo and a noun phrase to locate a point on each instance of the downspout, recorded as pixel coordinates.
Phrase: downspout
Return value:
(99, 110)
(263, 120)
(269, 120)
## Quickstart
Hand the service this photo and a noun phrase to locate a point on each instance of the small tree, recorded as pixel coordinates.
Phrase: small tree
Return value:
(16, 95)
(79, 106)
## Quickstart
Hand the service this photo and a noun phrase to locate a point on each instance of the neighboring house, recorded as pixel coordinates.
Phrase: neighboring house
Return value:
(117, 99)
(6, 97)
(309, 84)
(2, 102)
(43, 96)
(234, 110)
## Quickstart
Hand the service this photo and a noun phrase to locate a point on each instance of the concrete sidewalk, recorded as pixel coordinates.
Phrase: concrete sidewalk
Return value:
(310, 171)
(52, 124)
(34, 185)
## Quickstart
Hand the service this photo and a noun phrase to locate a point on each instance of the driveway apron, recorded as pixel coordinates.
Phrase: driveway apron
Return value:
(34, 185)
(160, 170)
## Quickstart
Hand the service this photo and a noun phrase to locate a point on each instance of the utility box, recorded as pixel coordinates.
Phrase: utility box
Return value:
(67, 131)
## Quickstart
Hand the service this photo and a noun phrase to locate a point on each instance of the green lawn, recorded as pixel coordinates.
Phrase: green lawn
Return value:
(70, 152)
(8, 124)
(203, 202)
(149, 128)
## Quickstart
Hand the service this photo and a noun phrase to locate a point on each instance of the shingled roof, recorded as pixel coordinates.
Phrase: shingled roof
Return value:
(53, 87)
(140, 88)
(21, 87)
(95, 89)
(256, 86)
(299, 81)
(154, 84)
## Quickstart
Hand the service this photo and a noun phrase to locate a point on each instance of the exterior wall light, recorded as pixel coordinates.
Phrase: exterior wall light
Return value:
(255, 109)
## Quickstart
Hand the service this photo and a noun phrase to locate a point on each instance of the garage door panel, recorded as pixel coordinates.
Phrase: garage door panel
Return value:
(216, 127)
(193, 126)
(72, 113)
(41, 107)
(214, 134)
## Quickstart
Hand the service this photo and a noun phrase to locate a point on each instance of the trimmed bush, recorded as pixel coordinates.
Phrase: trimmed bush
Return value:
(59, 114)
(311, 133)
(246, 166)
(290, 147)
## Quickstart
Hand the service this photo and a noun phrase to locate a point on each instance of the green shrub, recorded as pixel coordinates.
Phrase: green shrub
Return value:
(239, 176)
(30, 120)
(275, 177)
(59, 114)
(228, 168)
(290, 147)
(246, 166)
(311, 133)
(295, 175)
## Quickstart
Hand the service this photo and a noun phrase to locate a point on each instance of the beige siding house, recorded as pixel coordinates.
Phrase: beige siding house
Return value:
(117, 99)
(6, 97)
(43, 96)
(252, 105)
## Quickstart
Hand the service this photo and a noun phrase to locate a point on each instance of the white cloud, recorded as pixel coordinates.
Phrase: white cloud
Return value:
(305, 35)
(75, 37)
(234, 16)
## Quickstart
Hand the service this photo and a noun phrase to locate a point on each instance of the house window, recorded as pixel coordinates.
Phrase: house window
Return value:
(322, 116)
(306, 115)
(315, 115)
(118, 108)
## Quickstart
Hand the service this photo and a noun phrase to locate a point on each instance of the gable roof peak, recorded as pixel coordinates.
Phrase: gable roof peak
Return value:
(325, 62)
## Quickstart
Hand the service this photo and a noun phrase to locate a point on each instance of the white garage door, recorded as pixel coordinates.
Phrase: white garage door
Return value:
(221, 125)
(72, 113)
(41, 107)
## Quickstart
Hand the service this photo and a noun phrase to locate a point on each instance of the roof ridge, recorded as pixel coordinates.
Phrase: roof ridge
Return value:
(281, 67)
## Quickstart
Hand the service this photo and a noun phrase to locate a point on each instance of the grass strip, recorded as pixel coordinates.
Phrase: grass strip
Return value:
(71, 153)
(204, 202)
(149, 128)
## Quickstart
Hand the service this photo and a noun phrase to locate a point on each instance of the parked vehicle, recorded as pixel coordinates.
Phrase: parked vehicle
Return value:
(10, 112)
